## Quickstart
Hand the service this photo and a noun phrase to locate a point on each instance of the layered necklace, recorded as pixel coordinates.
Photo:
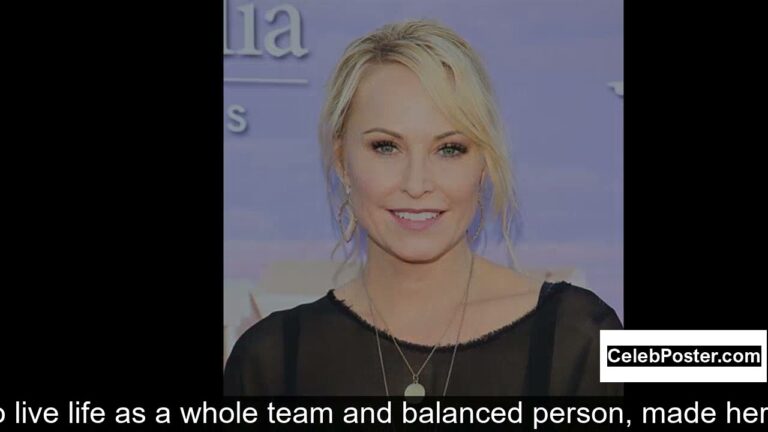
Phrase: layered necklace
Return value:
(415, 390)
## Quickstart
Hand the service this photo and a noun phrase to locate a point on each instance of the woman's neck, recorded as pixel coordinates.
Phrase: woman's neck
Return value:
(411, 295)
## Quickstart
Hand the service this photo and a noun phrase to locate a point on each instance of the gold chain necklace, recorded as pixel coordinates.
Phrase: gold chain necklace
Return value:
(415, 390)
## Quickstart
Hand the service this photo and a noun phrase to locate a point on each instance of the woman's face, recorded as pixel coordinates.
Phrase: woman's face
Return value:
(414, 180)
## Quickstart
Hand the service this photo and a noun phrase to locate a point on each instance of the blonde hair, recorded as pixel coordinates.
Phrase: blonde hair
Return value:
(453, 75)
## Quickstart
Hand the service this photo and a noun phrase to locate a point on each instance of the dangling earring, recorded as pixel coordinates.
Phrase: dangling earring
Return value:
(347, 232)
(479, 225)
(482, 216)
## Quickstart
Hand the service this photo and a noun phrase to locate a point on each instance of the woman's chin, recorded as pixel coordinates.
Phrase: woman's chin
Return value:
(419, 255)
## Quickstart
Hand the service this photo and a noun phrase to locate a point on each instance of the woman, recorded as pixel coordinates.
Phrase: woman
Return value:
(413, 146)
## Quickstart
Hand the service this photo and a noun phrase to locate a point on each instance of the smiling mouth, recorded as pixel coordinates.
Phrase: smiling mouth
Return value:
(416, 220)
(417, 216)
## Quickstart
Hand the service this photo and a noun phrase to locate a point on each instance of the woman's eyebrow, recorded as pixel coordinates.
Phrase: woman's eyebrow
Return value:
(397, 135)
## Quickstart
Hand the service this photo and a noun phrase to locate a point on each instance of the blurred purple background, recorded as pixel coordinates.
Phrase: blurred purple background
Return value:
(551, 63)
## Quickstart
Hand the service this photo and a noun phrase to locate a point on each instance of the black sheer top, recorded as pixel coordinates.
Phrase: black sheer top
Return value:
(325, 348)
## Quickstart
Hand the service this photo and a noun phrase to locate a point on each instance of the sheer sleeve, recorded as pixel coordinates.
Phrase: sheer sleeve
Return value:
(590, 384)
(576, 357)
(255, 365)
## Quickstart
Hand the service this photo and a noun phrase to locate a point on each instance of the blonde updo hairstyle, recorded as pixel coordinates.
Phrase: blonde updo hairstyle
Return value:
(453, 75)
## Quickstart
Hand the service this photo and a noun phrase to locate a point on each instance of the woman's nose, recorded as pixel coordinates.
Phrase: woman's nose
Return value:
(417, 178)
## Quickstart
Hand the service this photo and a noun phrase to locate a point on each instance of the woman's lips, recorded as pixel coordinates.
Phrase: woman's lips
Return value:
(416, 225)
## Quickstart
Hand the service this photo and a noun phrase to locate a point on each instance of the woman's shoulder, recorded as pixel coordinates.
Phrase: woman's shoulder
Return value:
(573, 316)
(578, 307)
(270, 330)
(258, 356)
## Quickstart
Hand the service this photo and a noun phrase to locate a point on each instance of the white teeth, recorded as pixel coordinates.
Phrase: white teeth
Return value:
(417, 216)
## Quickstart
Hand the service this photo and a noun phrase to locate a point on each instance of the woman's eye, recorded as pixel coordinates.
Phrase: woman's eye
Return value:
(384, 147)
(453, 150)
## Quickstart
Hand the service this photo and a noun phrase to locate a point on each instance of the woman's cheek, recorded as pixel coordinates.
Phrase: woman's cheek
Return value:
(376, 181)
(365, 195)
(459, 189)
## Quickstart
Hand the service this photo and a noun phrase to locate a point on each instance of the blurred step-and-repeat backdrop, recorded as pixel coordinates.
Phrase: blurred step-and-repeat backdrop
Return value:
(557, 69)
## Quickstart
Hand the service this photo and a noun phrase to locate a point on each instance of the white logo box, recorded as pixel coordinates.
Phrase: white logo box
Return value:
(698, 338)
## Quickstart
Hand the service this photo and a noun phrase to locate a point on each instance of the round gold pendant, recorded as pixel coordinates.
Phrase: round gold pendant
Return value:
(414, 392)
